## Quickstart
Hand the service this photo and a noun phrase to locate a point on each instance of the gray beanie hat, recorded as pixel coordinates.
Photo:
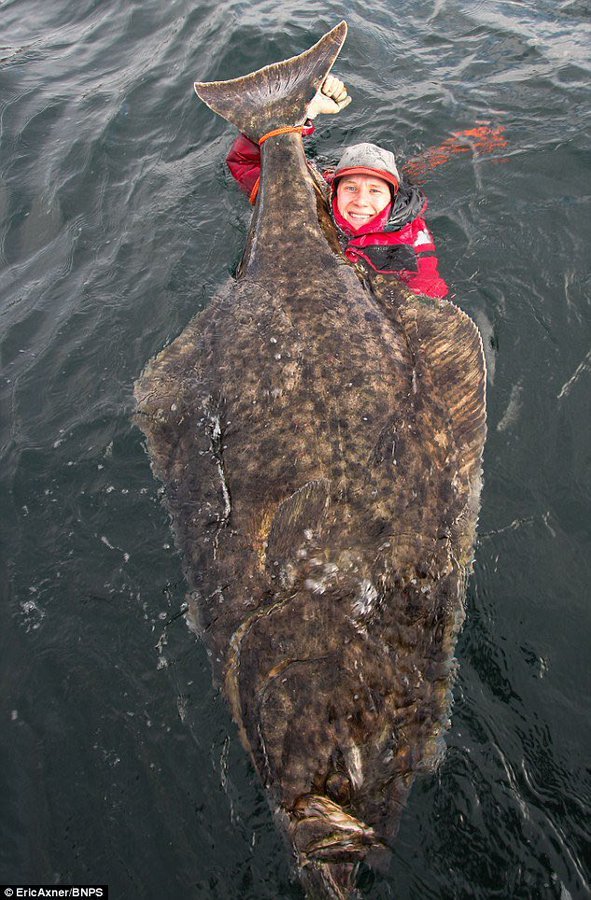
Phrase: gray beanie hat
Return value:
(368, 159)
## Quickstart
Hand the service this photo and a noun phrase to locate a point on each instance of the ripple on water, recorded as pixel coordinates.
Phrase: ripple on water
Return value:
(117, 222)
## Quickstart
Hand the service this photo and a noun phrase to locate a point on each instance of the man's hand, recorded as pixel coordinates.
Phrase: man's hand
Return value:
(331, 98)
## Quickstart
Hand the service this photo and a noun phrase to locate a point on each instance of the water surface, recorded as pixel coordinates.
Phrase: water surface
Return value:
(118, 221)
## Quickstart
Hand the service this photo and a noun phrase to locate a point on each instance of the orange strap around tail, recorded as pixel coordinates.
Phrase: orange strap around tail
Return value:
(285, 129)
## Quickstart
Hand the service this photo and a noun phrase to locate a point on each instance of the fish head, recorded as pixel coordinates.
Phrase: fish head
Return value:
(308, 692)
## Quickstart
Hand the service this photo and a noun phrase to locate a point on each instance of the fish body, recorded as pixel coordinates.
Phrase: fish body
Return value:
(319, 435)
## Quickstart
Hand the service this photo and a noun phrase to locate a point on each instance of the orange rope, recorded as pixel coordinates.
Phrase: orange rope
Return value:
(254, 192)
(285, 129)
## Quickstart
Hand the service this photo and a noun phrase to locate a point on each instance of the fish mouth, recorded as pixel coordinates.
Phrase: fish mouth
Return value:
(322, 831)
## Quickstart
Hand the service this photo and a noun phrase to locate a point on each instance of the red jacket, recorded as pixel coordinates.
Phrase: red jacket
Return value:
(396, 241)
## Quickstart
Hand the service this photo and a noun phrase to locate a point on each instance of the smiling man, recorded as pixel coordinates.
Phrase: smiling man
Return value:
(379, 213)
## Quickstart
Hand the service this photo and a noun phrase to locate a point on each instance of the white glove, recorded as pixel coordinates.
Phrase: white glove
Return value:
(331, 98)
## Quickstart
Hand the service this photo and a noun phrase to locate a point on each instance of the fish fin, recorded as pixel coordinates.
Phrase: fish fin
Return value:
(302, 511)
(275, 95)
(447, 349)
(450, 346)
(449, 370)
(180, 417)
(168, 393)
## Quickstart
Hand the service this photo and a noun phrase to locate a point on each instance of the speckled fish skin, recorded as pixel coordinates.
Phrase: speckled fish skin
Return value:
(319, 435)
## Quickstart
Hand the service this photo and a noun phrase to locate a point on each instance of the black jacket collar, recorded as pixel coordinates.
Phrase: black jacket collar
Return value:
(409, 203)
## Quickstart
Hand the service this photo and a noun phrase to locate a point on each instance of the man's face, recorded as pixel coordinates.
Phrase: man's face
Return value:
(361, 197)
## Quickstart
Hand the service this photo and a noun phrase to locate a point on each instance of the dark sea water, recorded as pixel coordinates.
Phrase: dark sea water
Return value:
(119, 763)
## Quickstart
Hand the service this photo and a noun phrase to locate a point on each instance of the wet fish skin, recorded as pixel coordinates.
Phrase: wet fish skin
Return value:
(320, 437)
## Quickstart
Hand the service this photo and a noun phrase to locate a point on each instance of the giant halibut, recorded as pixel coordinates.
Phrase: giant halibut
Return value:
(320, 438)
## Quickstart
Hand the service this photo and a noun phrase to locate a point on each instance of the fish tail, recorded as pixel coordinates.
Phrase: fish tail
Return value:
(276, 95)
